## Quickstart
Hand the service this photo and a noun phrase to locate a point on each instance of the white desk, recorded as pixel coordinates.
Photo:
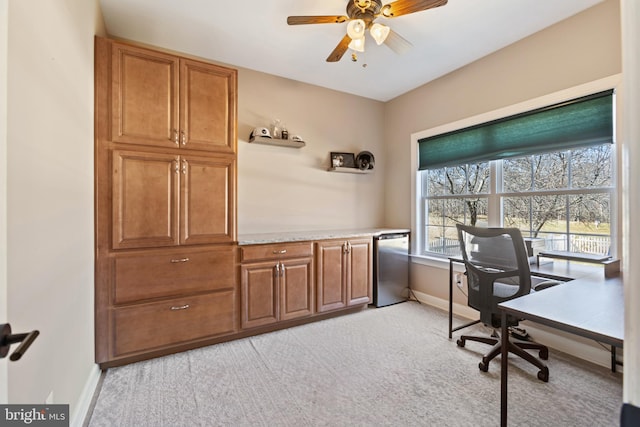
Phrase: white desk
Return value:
(592, 307)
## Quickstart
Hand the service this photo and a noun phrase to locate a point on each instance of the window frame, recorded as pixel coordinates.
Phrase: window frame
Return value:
(496, 216)
(494, 203)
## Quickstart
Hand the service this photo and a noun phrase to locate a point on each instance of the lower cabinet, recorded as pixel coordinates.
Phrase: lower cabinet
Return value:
(276, 283)
(344, 273)
(149, 326)
(155, 300)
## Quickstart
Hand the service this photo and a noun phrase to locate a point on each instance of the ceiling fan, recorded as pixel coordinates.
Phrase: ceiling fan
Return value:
(361, 15)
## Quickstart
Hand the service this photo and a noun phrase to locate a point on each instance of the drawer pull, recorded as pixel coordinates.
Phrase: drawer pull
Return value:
(283, 251)
(181, 307)
(175, 261)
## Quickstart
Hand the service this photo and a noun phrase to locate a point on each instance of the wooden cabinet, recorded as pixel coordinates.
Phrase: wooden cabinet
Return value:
(168, 101)
(165, 204)
(344, 273)
(276, 283)
(166, 199)
(138, 277)
(160, 324)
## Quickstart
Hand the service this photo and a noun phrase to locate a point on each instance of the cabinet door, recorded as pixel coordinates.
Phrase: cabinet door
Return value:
(208, 200)
(331, 276)
(207, 107)
(359, 272)
(259, 288)
(296, 289)
(144, 199)
(144, 97)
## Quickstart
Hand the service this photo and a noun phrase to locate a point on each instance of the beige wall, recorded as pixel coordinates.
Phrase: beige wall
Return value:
(49, 166)
(579, 50)
(281, 189)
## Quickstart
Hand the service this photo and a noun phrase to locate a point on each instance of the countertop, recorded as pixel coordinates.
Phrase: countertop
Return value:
(295, 236)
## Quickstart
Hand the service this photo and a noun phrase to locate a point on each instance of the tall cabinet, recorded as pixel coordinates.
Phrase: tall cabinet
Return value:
(165, 183)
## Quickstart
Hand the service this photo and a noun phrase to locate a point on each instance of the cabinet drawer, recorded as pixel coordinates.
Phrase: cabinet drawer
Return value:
(149, 326)
(278, 250)
(166, 274)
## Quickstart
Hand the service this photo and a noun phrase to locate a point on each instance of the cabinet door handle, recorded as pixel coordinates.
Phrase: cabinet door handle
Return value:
(180, 307)
(348, 247)
(175, 261)
(185, 164)
(283, 251)
(184, 138)
(282, 270)
(177, 166)
(277, 269)
(175, 137)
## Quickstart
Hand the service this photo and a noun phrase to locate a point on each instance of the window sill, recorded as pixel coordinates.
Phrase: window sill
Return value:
(437, 262)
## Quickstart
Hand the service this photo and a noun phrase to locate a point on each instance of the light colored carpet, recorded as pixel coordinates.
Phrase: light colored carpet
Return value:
(391, 366)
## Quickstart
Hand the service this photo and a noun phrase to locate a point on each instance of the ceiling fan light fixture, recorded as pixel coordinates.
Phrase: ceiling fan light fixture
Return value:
(379, 33)
(357, 44)
(355, 28)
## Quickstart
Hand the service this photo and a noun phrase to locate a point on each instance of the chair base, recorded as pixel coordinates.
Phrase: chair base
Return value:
(516, 347)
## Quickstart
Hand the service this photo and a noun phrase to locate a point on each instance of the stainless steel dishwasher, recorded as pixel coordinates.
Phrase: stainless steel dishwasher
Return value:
(390, 268)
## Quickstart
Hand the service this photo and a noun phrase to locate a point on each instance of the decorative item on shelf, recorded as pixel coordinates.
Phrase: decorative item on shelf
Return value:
(343, 160)
(365, 160)
(276, 129)
(259, 132)
(284, 134)
(349, 163)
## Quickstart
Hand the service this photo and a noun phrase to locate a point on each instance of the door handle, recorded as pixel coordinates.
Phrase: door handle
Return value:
(7, 339)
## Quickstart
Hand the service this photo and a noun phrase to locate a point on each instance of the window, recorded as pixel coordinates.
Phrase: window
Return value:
(564, 198)
(548, 172)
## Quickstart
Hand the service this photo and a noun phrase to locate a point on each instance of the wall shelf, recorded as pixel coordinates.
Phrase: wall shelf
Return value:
(277, 141)
(350, 170)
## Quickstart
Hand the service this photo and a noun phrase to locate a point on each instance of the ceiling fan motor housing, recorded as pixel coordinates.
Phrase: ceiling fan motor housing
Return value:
(356, 9)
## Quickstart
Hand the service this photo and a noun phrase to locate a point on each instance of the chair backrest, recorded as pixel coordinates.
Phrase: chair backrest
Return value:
(497, 268)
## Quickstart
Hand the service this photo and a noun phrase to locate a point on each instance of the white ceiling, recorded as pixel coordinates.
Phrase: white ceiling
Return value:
(254, 34)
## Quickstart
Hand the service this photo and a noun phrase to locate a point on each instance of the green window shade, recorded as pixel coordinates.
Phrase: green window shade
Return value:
(577, 123)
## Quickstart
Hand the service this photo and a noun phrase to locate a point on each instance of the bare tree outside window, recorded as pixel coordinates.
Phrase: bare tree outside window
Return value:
(563, 197)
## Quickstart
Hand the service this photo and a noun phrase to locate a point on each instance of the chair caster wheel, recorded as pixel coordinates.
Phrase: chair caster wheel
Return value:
(484, 367)
(544, 354)
(460, 342)
(543, 375)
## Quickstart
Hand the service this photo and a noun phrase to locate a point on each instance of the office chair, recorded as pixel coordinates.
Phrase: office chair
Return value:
(497, 270)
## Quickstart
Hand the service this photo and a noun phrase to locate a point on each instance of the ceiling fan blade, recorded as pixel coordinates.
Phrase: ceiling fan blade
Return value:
(404, 7)
(397, 43)
(342, 47)
(300, 20)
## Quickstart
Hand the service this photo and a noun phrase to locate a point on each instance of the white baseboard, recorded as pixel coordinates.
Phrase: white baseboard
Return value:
(83, 404)
(567, 343)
